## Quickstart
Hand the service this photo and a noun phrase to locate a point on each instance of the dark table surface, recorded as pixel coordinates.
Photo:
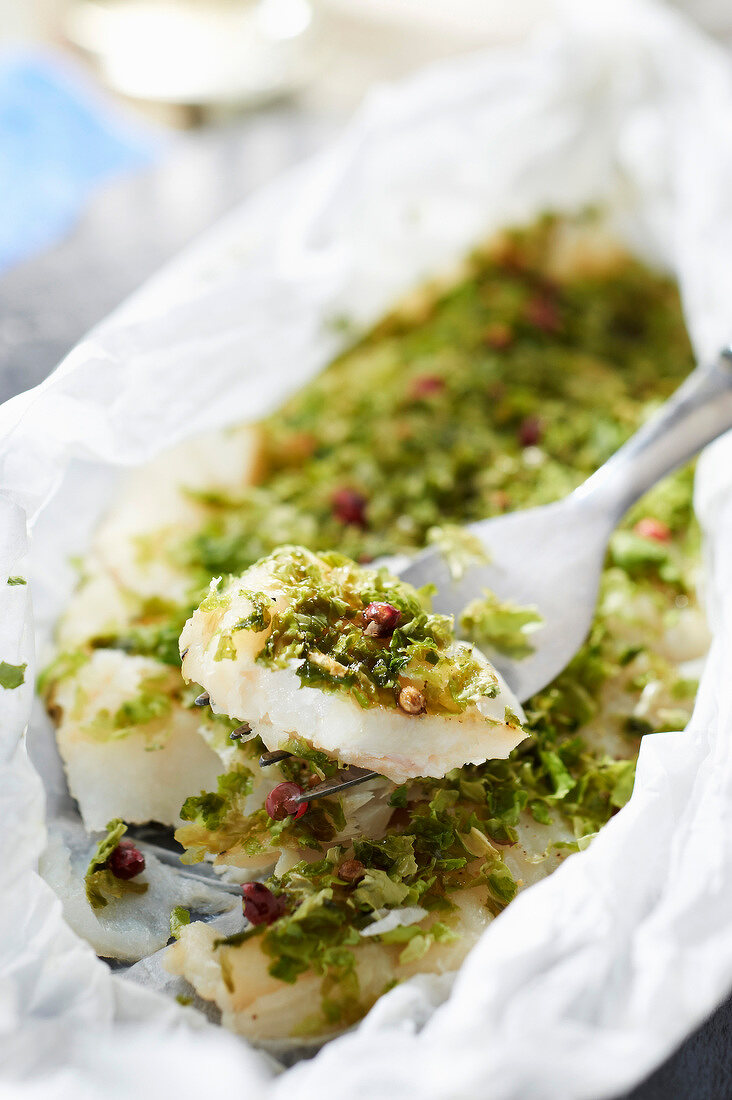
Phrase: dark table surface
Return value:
(135, 225)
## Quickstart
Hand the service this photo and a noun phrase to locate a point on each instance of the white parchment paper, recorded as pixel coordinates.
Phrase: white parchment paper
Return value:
(591, 977)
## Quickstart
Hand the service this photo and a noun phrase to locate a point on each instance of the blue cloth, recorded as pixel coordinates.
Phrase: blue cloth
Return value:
(59, 140)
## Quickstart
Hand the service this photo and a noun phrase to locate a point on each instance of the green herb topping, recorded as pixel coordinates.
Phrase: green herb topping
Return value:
(325, 626)
(179, 918)
(502, 392)
(11, 676)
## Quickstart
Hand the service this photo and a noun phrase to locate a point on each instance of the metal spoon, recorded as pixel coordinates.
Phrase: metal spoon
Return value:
(552, 557)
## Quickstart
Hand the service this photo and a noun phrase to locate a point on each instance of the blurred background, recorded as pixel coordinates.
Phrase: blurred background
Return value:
(129, 126)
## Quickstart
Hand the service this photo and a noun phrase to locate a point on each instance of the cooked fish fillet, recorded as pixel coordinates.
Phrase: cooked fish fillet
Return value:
(137, 770)
(256, 1005)
(98, 608)
(156, 510)
(145, 771)
(221, 656)
(130, 560)
(262, 1007)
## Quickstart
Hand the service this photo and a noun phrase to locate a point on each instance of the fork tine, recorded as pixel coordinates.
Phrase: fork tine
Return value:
(268, 758)
(334, 786)
(203, 699)
(243, 733)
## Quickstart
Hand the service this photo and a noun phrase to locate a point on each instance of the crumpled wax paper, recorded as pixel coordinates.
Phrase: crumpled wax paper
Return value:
(590, 978)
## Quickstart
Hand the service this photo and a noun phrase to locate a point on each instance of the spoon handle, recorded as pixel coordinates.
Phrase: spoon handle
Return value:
(699, 411)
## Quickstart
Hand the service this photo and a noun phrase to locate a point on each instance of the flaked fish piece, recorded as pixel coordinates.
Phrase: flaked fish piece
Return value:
(352, 661)
(98, 608)
(232, 844)
(261, 1007)
(129, 746)
(156, 509)
(142, 770)
(255, 1003)
(130, 562)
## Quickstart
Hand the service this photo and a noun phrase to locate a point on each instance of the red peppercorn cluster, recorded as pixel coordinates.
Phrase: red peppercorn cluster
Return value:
(260, 905)
(280, 802)
(126, 861)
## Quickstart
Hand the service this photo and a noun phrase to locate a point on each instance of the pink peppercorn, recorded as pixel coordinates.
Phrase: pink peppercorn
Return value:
(530, 431)
(500, 500)
(382, 619)
(411, 700)
(426, 385)
(498, 336)
(260, 905)
(349, 506)
(650, 528)
(351, 870)
(126, 861)
(280, 802)
(541, 312)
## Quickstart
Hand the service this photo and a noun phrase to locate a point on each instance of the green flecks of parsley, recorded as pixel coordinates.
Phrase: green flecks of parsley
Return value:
(418, 941)
(318, 763)
(11, 676)
(64, 665)
(147, 711)
(600, 791)
(638, 555)
(225, 650)
(215, 600)
(260, 616)
(179, 918)
(209, 809)
(154, 633)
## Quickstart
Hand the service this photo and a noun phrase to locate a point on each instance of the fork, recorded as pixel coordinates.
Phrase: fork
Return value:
(551, 557)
